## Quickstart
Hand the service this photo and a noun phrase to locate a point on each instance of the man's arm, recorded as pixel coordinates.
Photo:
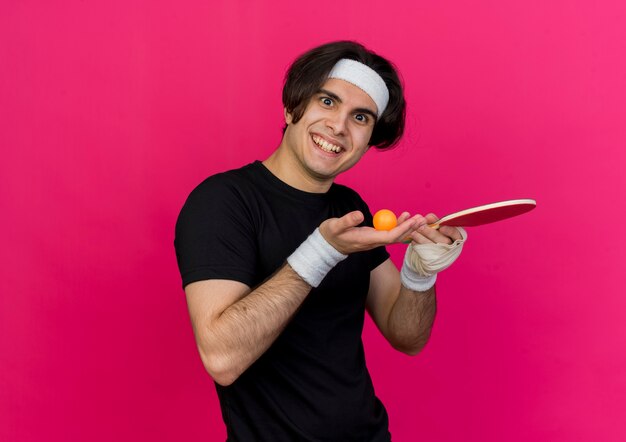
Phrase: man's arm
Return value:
(405, 317)
(235, 325)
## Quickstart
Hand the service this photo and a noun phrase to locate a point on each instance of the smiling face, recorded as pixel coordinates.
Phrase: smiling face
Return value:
(330, 138)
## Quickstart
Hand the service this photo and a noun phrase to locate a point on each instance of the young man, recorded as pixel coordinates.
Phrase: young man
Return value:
(279, 263)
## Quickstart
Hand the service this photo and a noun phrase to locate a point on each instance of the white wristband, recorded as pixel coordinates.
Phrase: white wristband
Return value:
(413, 280)
(314, 258)
(422, 262)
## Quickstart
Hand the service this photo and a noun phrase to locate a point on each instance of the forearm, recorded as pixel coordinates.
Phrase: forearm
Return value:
(411, 320)
(240, 333)
(234, 335)
(412, 316)
(247, 328)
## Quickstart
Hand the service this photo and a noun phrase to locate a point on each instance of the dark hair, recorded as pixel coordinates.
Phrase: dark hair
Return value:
(310, 71)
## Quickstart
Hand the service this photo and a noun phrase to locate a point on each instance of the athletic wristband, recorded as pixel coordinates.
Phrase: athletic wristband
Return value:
(428, 259)
(314, 258)
(413, 280)
(422, 262)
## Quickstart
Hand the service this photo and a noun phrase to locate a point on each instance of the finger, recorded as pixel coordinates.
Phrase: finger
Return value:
(431, 218)
(350, 220)
(402, 232)
(403, 228)
(403, 217)
(451, 232)
(418, 238)
(434, 235)
(420, 221)
(332, 228)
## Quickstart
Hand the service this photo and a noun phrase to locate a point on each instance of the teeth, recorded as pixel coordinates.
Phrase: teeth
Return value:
(325, 145)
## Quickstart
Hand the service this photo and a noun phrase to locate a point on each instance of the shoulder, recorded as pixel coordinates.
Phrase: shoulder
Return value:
(220, 199)
(224, 187)
(215, 230)
(347, 195)
(344, 192)
(227, 181)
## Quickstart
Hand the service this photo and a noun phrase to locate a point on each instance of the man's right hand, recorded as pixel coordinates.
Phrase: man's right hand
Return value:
(344, 235)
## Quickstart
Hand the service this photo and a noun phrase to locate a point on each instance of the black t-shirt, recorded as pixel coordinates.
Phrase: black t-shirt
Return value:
(312, 383)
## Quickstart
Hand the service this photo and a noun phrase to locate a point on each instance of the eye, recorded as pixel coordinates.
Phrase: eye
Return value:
(327, 101)
(362, 118)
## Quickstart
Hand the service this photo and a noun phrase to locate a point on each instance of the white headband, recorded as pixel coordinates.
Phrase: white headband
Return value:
(363, 77)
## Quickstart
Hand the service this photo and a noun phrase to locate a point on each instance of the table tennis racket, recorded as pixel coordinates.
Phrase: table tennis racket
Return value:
(488, 213)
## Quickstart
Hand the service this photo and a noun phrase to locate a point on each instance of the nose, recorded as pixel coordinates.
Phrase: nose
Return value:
(337, 123)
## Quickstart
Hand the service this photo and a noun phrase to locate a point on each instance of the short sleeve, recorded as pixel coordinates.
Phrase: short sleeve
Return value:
(215, 234)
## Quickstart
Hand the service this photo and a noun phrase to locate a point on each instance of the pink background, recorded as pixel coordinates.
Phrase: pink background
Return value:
(111, 112)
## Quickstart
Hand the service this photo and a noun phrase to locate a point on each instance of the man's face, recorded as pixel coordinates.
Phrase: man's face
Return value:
(333, 133)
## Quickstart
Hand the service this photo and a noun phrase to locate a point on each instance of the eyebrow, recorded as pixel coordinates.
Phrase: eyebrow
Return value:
(362, 110)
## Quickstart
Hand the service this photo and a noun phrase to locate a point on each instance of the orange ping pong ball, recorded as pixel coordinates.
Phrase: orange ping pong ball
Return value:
(385, 219)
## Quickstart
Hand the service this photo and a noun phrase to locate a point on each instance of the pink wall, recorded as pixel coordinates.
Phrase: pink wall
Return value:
(111, 112)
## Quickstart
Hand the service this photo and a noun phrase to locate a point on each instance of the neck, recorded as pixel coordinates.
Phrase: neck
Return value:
(290, 171)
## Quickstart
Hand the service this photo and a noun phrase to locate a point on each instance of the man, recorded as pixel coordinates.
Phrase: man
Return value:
(279, 263)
